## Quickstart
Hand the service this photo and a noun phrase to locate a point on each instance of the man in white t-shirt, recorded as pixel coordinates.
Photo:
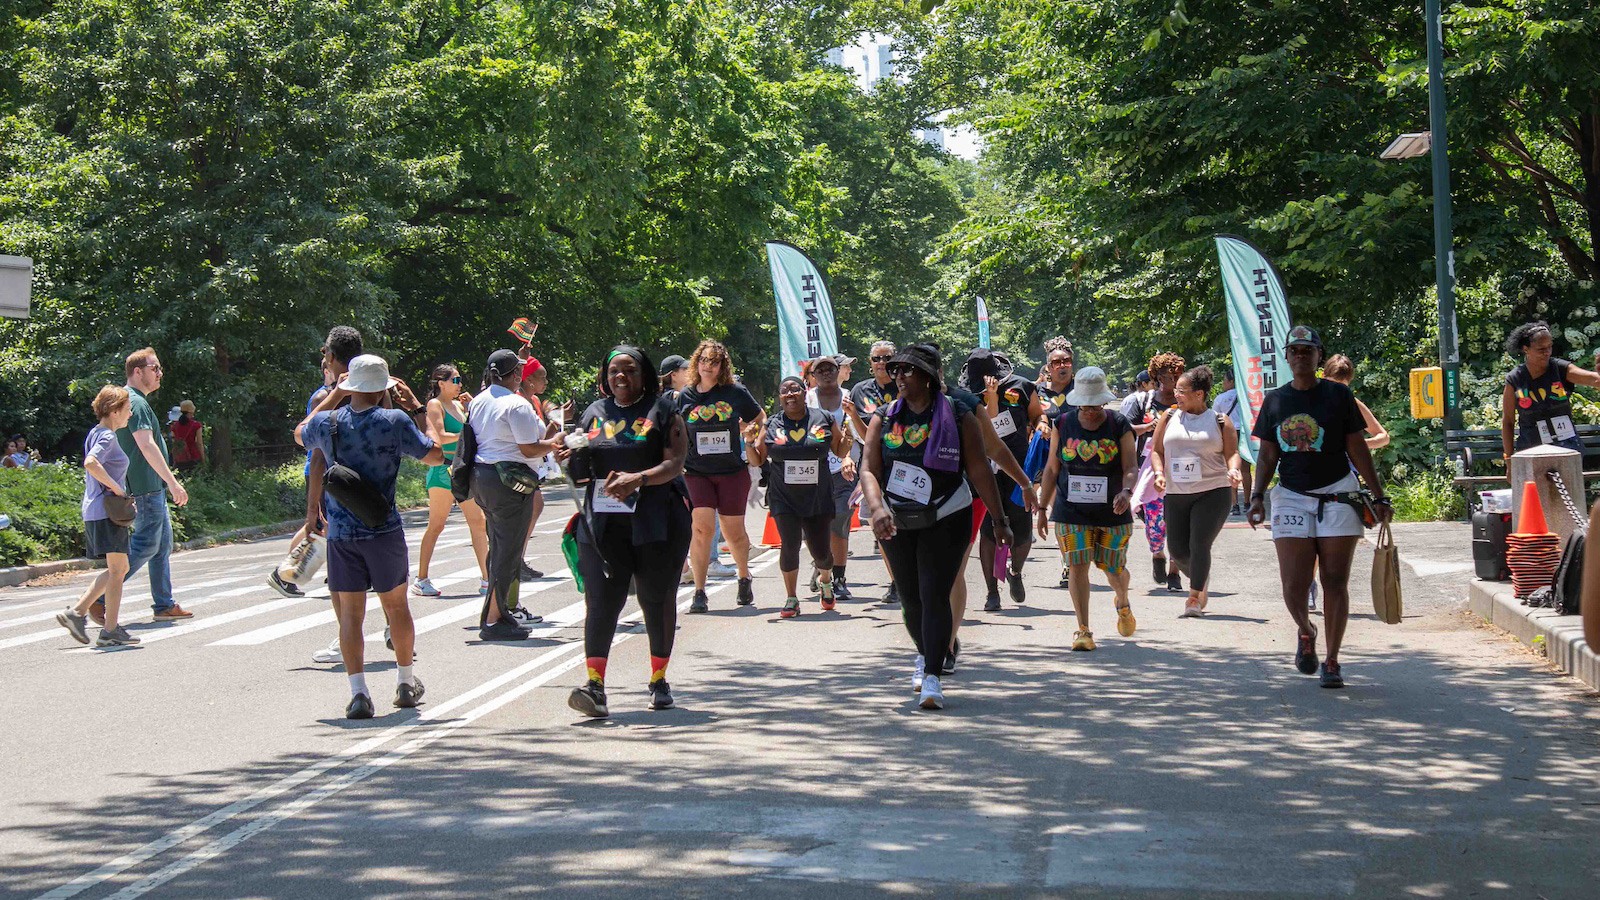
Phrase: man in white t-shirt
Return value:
(510, 440)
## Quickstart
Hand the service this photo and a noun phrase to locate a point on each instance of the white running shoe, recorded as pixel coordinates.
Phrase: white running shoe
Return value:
(932, 697)
(423, 587)
(328, 654)
(720, 569)
(483, 587)
(525, 618)
(918, 674)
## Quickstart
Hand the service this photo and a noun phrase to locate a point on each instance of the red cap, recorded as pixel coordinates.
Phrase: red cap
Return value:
(531, 366)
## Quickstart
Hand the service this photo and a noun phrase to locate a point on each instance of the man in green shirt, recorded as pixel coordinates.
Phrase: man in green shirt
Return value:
(149, 479)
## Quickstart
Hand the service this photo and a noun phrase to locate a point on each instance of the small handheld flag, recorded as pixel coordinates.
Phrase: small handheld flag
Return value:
(524, 329)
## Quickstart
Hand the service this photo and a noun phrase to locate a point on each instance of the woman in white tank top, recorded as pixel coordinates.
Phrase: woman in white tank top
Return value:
(1195, 455)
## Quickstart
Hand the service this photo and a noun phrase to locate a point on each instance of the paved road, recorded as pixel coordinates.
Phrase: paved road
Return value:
(1188, 761)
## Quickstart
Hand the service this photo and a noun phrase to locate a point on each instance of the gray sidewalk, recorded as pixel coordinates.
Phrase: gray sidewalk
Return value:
(1559, 638)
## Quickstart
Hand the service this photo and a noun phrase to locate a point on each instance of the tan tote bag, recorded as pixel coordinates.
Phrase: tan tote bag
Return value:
(1386, 577)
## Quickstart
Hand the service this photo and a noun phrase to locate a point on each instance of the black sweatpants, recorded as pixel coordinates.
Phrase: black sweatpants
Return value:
(507, 515)
(925, 563)
(813, 530)
(654, 568)
(1193, 523)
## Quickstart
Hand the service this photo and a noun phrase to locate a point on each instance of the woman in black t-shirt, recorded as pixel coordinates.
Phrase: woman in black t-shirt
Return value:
(1057, 381)
(1312, 433)
(792, 451)
(637, 525)
(916, 451)
(715, 409)
(1536, 406)
(1015, 410)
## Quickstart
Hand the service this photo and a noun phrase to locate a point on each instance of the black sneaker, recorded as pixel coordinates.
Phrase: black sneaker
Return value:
(1305, 654)
(1175, 582)
(814, 581)
(407, 696)
(360, 707)
(1066, 578)
(503, 630)
(992, 602)
(1332, 676)
(115, 637)
(1019, 594)
(949, 667)
(589, 700)
(841, 591)
(747, 596)
(660, 694)
(286, 588)
(1158, 569)
(76, 625)
(893, 597)
(528, 573)
(700, 603)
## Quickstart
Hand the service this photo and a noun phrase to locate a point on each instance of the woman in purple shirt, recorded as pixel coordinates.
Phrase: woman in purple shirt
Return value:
(106, 466)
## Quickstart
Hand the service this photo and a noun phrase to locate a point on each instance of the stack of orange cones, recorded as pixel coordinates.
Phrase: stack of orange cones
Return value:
(1533, 551)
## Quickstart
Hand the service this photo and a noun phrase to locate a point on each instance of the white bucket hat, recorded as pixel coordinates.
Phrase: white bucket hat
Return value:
(369, 374)
(1089, 388)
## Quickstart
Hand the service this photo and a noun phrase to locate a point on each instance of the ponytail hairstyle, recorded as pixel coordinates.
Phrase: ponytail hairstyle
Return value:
(1199, 379)
(440, 373)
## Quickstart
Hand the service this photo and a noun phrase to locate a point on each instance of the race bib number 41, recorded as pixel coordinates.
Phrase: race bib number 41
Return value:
(910, 482)
(712, 443)
(1559, 428)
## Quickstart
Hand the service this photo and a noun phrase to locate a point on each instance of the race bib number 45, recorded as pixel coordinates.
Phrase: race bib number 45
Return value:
(712, 443)
(910, 482)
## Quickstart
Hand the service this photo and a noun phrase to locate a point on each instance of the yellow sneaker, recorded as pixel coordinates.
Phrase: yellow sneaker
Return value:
(1083, 639)
(1125, 621)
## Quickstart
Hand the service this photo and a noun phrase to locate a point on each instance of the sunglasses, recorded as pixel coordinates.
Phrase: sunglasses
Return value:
(882, 359)
(456, 380)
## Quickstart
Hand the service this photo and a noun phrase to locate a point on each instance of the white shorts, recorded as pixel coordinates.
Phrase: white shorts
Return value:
(1294, 515)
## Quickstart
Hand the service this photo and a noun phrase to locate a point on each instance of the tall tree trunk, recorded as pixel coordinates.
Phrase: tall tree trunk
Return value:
(222, 425)
(1589, 165)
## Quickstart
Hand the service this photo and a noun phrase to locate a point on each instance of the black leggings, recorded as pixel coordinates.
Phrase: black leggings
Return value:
(1193, 523)
(925, 564)
(814, 530)
(653, 568)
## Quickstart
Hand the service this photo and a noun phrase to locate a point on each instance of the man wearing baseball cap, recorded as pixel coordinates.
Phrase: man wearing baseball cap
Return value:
(364, 554)
(675, 375)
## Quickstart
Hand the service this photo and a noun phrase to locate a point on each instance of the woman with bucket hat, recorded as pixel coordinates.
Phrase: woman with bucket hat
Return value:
(1090, 477)
(1312, 433)
(917, 449)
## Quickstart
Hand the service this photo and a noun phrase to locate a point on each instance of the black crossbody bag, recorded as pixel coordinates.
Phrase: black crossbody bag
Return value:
(353, 492)
(461, 466)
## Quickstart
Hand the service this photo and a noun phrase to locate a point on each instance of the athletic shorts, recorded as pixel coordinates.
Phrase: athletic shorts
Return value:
(102, 536)
(438, 477)
(1017, 517)
(1104, 545)
(1295, 515)
(724, 493)
(377, 564)
(840, 527)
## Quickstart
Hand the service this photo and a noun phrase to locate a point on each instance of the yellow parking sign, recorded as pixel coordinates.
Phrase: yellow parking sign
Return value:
(1427, 393)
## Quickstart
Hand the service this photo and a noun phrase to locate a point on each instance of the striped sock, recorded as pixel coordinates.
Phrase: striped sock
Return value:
(658, 668)
(597, 668)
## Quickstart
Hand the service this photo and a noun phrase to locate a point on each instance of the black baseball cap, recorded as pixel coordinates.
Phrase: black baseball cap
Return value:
(504, 362)
(672, 364)
(1304, 336)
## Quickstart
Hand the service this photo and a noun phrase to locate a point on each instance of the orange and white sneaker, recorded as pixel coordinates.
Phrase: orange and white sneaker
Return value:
(1083, 639)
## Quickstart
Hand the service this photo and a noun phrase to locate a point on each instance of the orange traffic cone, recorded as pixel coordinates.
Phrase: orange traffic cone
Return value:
(1531, 519)
(769, 535)
(855, 517)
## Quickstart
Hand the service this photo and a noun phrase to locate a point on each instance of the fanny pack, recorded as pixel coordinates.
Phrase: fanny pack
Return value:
(1360, 501)
(355, 493)
(519, 477)
(121, 510)
(912, 516)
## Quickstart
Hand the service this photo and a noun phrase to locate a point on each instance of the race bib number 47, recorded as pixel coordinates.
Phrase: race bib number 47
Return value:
(1185, 469)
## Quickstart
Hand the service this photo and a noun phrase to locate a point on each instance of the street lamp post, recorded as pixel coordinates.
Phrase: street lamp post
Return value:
(1407, 146)
(1444, 263)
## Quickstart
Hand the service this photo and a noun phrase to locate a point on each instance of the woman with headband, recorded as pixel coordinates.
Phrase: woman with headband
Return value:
(792, 450)
(639, 527)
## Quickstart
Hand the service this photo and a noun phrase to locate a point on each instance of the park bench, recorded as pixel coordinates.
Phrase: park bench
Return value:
(1482, 448)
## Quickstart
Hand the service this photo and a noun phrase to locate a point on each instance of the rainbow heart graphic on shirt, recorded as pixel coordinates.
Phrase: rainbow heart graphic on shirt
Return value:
(900, 435)
(613, 428)
(1102, 450)
(717, 412)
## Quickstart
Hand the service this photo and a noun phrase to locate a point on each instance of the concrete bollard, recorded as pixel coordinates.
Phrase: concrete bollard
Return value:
(1531, 465)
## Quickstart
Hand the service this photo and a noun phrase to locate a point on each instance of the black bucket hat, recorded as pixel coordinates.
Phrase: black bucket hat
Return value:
(924, 359)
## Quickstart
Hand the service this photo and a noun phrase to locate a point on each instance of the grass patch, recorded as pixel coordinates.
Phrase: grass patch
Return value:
(45, 505)
(1425, 496)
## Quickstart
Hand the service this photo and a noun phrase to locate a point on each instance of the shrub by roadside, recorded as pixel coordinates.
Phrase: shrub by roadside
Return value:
(44, 505)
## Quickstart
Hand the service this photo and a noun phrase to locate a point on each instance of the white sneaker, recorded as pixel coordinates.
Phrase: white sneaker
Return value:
(483, 587)
(525, 618)
(720, 569)
(423, 587)
(917, 674)
(328, 654)
(932, 697)
(1311, 605)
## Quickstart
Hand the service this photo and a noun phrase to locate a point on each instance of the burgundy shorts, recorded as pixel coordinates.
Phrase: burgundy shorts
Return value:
(727, 494)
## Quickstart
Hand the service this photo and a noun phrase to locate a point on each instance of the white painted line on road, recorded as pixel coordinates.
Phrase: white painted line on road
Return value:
(434, 621)
(210, 622)
(178, 836)
(126, 599)
(293, 626)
